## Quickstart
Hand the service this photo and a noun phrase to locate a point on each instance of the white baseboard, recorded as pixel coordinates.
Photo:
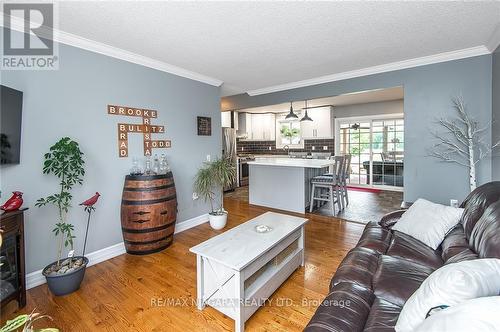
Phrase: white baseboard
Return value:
(36, 278)
(190, 223)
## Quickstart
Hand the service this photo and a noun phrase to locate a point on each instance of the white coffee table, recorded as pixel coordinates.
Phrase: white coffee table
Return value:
(239, 269)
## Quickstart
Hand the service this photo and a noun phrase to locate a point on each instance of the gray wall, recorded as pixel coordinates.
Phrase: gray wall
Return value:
(369, 109)
(428, 90)
(72, 102)
(496, 114)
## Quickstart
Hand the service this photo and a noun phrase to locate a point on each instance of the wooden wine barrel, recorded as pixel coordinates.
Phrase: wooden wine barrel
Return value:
(148, 213)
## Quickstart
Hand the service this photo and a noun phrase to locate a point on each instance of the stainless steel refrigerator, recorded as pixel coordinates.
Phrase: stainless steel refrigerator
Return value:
(229, 150)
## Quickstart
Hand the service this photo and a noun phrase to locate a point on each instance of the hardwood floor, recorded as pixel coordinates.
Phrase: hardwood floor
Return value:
(131, 293)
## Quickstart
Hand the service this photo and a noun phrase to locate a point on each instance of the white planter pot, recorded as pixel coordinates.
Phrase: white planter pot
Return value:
(217, 221)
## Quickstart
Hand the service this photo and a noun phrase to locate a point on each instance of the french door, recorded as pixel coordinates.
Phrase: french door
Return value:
(377, 148)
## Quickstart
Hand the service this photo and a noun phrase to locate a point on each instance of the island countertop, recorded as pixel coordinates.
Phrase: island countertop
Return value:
(292, 162)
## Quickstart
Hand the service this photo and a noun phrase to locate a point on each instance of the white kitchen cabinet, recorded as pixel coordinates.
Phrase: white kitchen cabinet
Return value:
(244, 130)
(321, 126)
(263, 127)
(226, 119)
(256, 127)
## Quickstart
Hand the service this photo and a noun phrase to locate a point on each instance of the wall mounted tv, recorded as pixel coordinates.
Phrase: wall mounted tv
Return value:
(10, 125)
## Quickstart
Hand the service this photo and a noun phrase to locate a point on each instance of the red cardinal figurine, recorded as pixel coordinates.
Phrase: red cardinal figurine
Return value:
(92, 200)
(14, 202)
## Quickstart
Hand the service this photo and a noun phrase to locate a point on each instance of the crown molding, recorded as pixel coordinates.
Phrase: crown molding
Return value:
(494, 40)
(416, 62)
(118, 53)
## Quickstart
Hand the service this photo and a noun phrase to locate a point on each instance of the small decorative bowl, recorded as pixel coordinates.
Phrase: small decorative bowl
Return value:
(263, 229)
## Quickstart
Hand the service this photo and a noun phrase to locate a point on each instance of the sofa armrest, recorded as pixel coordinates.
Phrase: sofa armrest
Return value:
(391, 218)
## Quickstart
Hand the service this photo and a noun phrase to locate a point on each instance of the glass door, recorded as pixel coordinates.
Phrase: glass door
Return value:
(355, 140)
(377, 149)
(388, 152)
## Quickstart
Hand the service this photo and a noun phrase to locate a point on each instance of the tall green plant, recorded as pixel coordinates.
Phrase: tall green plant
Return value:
(212, 178)
(65, 161)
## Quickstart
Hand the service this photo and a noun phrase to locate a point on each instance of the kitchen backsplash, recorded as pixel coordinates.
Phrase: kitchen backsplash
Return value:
(269, 147)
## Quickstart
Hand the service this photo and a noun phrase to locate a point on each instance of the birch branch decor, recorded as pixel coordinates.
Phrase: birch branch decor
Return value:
(462, 141)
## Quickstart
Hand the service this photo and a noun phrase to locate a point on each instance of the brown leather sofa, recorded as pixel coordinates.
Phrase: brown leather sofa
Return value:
(375, 278)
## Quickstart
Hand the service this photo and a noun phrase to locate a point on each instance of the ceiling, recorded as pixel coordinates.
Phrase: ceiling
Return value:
(362, 97)
(252, 46)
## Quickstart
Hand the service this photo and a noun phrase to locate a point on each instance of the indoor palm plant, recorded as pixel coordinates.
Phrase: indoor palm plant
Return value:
(209, 184)
(64, 160)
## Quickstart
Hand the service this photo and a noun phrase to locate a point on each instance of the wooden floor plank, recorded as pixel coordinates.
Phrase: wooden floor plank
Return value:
(124, 293)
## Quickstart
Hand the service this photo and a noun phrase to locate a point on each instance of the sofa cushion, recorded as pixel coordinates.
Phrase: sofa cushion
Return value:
(428, 222)
(345, 308)
(465, 255)
(455, 247)
(358, 267)
(485, 236)
(396, 279)
(476, 203)
(375, 237)
(383, 316)
(450, 285)
(476, 315)
(405, 246)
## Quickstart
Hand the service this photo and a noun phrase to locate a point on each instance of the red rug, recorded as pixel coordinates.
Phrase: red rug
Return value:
(370, 190)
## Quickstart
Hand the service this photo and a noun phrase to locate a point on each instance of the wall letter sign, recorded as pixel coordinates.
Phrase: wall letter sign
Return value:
(146, 129)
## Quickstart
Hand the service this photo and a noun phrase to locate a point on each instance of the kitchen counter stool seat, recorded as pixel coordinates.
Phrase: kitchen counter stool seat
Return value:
(332, 184)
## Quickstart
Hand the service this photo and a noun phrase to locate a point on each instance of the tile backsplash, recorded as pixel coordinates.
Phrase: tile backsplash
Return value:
(269, 147)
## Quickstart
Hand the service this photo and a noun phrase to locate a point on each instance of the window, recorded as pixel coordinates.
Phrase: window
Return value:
(288, 133)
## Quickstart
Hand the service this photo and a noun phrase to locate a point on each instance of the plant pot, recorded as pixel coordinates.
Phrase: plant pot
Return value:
(217, 221)
(63, 284)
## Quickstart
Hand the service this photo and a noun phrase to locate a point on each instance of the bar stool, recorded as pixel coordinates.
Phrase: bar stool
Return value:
(343, 179)
(331, 183)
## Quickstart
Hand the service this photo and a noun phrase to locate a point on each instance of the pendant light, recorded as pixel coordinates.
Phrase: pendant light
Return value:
(291, 115)
(306, 117)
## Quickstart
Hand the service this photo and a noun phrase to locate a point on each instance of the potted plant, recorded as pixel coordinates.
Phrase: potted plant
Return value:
(65, 161)
(209, 183)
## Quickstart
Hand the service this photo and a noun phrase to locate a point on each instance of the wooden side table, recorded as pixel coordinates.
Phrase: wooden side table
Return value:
(12, 272)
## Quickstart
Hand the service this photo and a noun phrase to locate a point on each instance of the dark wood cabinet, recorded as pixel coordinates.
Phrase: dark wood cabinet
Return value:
(12, 273)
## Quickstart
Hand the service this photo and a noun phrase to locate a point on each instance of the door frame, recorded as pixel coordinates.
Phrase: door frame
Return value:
(369, 118)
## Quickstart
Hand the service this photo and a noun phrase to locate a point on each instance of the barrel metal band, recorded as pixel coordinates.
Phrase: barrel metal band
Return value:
(146, 252)
(151, 201)
(166, 186)
(148, 230)
(148, 242)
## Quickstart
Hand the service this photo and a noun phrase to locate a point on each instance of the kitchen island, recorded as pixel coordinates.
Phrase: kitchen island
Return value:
(284, 183)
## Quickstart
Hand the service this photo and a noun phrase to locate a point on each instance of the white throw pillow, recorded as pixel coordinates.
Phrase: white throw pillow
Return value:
(449, 285)
(428, 222)
(476, 315)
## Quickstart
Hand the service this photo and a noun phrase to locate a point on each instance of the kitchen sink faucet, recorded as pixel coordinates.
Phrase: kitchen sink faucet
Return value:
(287, 149)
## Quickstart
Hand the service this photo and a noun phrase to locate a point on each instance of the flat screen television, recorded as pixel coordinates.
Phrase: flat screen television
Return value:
(10, 125)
